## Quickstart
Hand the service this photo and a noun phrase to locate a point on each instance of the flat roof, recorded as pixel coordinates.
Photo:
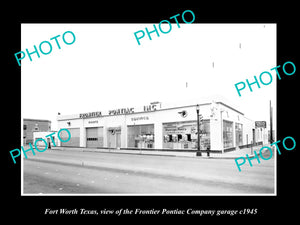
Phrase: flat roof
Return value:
(230, 107)
(74, 116)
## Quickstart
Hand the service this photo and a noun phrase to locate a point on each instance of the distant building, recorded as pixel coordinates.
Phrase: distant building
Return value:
(261, 132)
(32, 125)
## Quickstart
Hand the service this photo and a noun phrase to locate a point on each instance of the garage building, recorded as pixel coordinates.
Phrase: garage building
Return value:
(152, 126)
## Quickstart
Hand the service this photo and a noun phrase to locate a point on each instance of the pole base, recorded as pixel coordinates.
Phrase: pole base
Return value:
(198, 153)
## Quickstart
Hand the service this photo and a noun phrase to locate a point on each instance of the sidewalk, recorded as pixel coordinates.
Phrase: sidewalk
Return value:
(228, 155)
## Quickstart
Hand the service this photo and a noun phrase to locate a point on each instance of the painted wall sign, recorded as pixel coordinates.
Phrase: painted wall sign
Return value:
(140, 118)
(93, 121)
(90, 114)
(121, 111)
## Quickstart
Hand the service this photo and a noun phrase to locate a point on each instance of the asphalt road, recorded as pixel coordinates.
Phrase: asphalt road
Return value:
(74, 172)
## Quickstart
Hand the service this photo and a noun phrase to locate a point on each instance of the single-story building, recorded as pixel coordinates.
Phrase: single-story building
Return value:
(222, 128)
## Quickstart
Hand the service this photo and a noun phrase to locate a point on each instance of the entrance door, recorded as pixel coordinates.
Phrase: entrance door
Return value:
(118, 139)
(111, 139)
(114, 137)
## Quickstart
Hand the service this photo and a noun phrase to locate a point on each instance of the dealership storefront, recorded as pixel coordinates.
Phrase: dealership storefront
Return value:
(155, 127)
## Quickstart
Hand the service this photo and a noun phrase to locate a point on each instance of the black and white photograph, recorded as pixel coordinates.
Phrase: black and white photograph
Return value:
(178, 113)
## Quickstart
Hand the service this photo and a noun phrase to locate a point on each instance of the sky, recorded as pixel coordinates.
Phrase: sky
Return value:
(105, 68)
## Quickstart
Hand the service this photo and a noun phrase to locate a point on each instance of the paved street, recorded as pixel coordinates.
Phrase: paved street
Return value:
(77, 172)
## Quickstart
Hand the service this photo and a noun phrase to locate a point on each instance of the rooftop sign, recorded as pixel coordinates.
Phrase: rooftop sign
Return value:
(121, 111)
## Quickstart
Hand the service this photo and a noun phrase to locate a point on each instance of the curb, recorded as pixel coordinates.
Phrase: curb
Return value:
(157, 153)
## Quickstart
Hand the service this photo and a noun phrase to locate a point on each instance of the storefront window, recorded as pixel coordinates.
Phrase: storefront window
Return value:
(239, 134)
(205, 135)
(183, 135)
(141, 136)
(227, 134)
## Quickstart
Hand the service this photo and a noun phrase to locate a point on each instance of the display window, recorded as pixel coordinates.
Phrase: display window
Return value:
(239, 134)
(183, 135)
(141, 136)
(227, 134)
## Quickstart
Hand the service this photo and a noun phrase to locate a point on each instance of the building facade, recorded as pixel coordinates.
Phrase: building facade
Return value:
(153, 127)
(33, 125)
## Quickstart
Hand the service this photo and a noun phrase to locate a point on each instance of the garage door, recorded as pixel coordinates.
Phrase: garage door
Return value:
(94, 137)
(75, 137)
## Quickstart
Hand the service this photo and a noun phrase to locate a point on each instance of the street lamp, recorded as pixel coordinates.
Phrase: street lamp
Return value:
(198, 153)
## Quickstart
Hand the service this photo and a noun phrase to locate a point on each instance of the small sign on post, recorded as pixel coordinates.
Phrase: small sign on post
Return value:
(260, 124)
